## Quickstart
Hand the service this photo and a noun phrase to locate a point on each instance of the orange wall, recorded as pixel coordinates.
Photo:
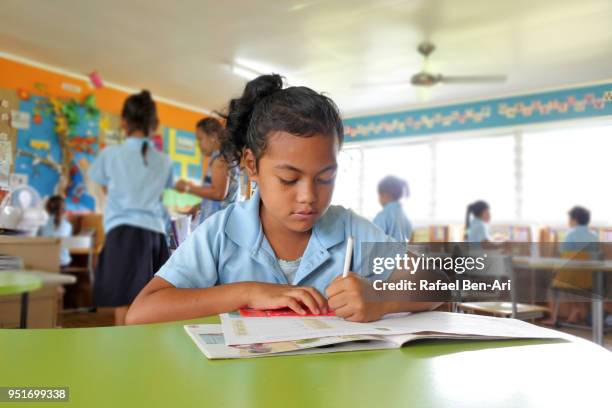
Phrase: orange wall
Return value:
(16, 75)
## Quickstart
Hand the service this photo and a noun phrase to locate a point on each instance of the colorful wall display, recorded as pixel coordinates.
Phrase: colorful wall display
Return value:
(182, 147)
(38, 151)
(56, 141)
(576, 103)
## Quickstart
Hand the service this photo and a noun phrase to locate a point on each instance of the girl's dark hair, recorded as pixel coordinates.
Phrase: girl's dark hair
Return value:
(211, 125)
(394, 187)
(140, 114)
(476, 209)
(54, 208)
(266, 107)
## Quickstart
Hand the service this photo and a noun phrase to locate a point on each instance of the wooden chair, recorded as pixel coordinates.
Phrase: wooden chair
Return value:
(79, 297)
(501, 267)
(82, 244)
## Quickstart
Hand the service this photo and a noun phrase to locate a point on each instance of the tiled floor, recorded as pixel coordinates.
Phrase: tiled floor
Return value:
(99, 318)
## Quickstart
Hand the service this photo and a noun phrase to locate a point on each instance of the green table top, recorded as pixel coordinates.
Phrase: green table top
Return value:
(14, 283)
(159, 366)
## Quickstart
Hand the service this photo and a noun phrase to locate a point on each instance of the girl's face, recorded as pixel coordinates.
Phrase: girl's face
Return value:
(384, 198)
(486, 215)
(208, 143)
(295, 177)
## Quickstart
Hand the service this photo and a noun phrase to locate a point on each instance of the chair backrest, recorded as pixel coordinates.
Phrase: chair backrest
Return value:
(439, 233)
(94, 222)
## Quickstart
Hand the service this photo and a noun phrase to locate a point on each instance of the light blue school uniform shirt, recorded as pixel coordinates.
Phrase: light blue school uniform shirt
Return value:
(230, 246)
(394, 222)
(478, 231)
(580, 238)
(134, 190)
(64, 230)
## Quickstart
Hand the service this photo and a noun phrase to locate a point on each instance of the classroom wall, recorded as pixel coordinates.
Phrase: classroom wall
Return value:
(16, 75)
(37, 148)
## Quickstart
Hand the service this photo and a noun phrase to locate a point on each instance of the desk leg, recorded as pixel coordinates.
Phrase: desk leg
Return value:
(23, 323)
(597, 313)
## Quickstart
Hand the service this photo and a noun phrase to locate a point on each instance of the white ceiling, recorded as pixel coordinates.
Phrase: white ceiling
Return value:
(183, 49)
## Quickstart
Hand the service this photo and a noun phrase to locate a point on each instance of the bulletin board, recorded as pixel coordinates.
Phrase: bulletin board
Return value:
(8, 135)
(55, 163)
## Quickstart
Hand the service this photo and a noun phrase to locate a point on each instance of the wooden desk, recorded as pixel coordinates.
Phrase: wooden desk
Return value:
(597, 268)
(19, 283)
(40, 254)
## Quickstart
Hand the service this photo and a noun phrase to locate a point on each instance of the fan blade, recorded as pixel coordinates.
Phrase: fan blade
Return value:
(472, 79)
(380, 84)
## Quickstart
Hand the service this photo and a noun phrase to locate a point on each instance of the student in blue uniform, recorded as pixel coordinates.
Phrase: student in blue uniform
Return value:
(57, 225)
(580, 237)
(477, 218)
(392, 219)
(285, 246)
(220, 186)
(134, 176)
(579, 243)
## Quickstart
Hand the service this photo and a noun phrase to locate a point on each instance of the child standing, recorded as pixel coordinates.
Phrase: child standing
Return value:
(392, 219)
(220, 186)
(57, 225)
(134, 175)
(285, 246)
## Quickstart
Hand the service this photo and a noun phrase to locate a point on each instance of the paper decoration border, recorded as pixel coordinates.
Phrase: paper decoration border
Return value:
(576, 103)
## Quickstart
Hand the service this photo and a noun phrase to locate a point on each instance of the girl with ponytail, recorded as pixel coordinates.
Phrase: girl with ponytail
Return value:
(219, 186)
(57, 225)
(134, 176)
(285, 246)
(392, 219)
(477, 217)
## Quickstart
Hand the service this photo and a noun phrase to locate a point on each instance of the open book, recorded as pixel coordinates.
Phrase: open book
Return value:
(239, 337)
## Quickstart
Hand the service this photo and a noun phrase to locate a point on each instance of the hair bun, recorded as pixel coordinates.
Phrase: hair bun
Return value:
(146, 95)
(262, 86)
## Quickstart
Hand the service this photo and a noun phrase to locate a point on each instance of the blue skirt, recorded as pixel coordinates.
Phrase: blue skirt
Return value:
(129, 260)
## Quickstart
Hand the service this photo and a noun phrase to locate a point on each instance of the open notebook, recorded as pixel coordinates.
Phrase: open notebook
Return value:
(240, 337)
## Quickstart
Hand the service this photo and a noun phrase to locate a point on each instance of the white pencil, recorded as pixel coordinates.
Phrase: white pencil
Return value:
(348, 256)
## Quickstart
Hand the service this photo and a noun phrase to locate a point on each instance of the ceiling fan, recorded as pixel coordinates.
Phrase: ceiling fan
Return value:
(428, 79)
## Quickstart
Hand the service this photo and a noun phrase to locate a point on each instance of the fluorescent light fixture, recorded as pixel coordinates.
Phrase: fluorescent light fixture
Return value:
(250, 69)
(244, 72)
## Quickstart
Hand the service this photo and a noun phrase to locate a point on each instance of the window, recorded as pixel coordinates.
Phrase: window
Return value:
(535, 181)
(563, 168)
(411, 162)
(347, 189)
(475, 169)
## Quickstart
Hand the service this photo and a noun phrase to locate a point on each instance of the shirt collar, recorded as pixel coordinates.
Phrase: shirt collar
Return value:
(391, 205)
(137, 140)
(581, 228)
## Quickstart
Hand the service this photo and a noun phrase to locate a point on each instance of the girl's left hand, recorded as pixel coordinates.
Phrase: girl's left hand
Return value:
(347, 297)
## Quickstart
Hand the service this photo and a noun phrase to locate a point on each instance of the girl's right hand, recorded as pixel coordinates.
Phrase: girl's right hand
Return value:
(300, 299)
